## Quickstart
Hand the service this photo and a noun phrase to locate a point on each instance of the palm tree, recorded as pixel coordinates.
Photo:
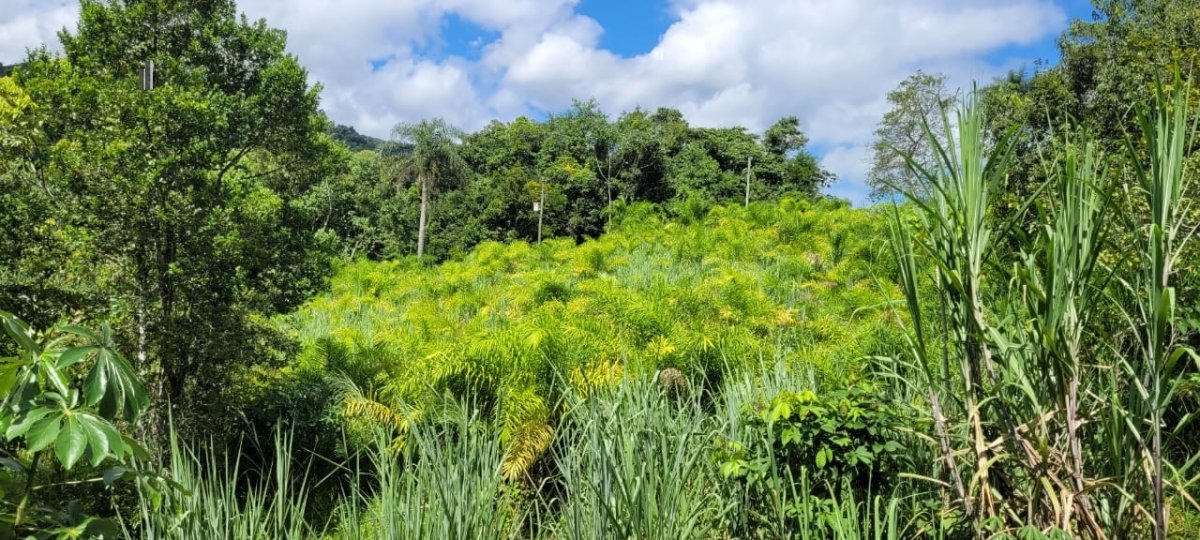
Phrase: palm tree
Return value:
(430, 152)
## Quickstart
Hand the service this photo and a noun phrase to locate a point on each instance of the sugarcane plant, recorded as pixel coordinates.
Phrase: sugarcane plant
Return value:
(1044, 418)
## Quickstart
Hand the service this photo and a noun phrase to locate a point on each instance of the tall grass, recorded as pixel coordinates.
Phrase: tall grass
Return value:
(444, 481)
(1043, 418)
(635, 463)
(631, 460)
(205, 494)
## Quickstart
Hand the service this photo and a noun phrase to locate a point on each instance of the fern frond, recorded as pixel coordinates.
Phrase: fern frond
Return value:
(529, 443)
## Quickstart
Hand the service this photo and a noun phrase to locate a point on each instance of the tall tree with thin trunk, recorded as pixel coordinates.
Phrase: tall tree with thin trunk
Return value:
(430, 156)
(917, 102)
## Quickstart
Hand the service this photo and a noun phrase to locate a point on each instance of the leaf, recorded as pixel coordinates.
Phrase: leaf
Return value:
(781, 411)
(73, 356)
(733, 469)
(113, 385)
(133, 447)
(98, 438)
(8, 377)
(72, 440)
(81, 331)
(22, 427)
(44, 432)
(113, 474)
(19, 332)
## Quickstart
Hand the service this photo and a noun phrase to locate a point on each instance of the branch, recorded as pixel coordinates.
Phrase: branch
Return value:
(241, 153)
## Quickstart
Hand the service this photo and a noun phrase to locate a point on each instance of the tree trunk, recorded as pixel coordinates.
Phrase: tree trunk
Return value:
(424, 210)
(749, 163)
(541, 211)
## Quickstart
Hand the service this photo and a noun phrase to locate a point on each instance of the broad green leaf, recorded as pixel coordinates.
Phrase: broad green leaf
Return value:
(19, 332)
(791, 435)
(113, 385)
(73, 356)
(97, 439)
(96, 385)
(81, 331)
(781, 411)
(733, 469)
(21, 428)
(50, 373)
(72, 440)
(44, 432)
(8, 376)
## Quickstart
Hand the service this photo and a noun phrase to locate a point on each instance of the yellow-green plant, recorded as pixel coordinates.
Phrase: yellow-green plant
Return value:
(516, 326)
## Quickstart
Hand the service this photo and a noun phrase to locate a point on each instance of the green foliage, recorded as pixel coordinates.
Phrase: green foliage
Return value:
(635, 464)
(62, 393)
(354, 140)
(1044, 416)
(509, 325)
(590, 166)
(180, 213)
(849, 435)
(445, 482)
(208, 496)
(430, 156)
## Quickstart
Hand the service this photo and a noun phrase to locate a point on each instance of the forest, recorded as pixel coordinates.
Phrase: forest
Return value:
(227, 316)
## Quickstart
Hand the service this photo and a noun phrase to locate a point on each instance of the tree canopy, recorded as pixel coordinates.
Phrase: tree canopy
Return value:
(184, 210)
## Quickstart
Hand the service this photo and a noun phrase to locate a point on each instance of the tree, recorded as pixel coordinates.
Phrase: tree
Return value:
(430, 149)
(189, 198)
(916, 102)
(1113, 60)
(354, 140)
(642, 173)
(784, 137)
(789, 161)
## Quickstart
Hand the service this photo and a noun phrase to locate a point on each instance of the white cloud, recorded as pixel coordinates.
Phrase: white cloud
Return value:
(851, 164)
(721, 62)
(27, 24)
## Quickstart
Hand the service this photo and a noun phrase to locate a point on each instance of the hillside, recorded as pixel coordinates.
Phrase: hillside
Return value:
(710, 293)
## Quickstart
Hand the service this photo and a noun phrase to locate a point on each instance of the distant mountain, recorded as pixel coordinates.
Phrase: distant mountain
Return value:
(353, 139)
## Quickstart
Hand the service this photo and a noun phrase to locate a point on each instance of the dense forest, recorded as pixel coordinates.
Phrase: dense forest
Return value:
(226, 316)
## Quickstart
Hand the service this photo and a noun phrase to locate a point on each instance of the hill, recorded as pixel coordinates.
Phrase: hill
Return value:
(707, 292)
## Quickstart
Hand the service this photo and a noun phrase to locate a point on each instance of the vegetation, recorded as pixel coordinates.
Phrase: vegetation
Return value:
(592, 326)
(918, 102)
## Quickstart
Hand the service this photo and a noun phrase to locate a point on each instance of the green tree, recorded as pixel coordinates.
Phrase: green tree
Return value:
(1114, 59)
(917, 102)
(190, 199)
(786, 159)
(430, 153)
(642, 169)
(784, 137)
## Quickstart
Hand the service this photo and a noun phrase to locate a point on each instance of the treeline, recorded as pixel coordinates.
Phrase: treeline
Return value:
(189, 212)
(561, 176)
(1042, 364)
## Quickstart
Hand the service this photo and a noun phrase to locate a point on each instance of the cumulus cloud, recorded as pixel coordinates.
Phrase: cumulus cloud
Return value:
(720, 62)
(27, 24)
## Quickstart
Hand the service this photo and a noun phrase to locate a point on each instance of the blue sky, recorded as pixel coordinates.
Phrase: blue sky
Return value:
(720, 62)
